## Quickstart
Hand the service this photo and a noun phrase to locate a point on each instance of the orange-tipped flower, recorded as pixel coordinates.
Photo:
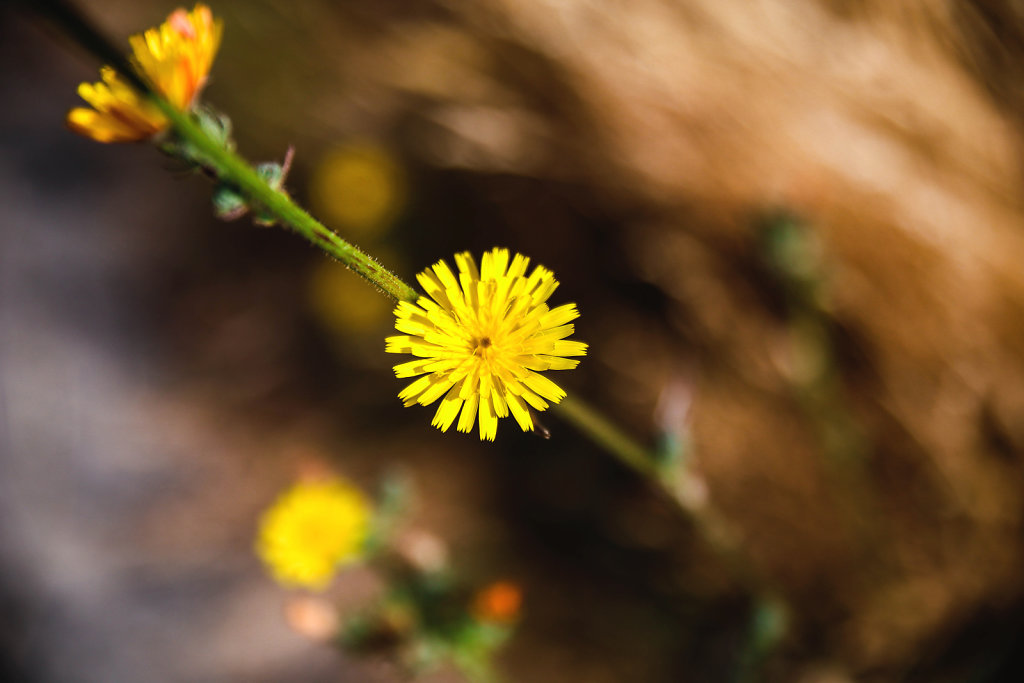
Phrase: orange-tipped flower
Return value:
(175, 58)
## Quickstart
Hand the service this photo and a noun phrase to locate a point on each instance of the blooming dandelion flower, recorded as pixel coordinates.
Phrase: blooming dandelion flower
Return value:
(311, 530)
(482, 339)
(175, 57)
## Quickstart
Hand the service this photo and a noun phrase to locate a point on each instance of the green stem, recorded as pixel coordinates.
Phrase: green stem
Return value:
(235, 171)
(604, 433)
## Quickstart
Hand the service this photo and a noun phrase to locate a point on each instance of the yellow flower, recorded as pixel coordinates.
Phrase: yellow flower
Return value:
(175, 58)
(482, 339)
(312, 529)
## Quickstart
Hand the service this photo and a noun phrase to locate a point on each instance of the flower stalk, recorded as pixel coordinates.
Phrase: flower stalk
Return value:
(606, 434)
(230, 169)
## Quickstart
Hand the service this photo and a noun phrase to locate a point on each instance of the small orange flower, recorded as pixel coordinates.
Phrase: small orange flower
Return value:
(176, 58)
(498, 602)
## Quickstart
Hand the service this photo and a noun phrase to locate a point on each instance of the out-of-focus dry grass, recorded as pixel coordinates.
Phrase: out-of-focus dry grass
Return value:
(635, 148)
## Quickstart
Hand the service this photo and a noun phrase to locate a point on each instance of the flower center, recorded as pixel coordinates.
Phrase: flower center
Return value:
(480, 346)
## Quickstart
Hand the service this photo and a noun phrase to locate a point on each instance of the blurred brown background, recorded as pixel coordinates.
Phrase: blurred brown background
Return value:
(794, 230)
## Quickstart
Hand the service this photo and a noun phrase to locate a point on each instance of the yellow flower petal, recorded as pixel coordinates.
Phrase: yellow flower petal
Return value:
(519, 412)
(99, 127)
(488, 420)
(448, 409)
(468, 416)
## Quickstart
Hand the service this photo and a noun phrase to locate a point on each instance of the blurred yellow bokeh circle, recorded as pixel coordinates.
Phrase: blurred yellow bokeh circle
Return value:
(358, 188)
(345, 303)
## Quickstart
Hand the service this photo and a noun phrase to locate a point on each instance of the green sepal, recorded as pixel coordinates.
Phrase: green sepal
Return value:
(228, 204)
(216, 125)
(274, 174)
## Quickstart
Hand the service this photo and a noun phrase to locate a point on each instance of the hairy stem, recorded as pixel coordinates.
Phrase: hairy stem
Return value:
(235, 171)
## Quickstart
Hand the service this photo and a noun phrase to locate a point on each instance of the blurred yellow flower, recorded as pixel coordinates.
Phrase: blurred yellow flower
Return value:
(482, 339)
(358, 187)
(175, 58)
(311, 530)
(344, 303)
